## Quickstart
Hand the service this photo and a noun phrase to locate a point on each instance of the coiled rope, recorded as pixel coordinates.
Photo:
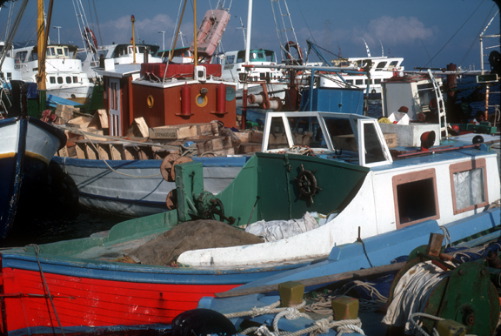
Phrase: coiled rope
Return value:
(412, 293)
(292, 313)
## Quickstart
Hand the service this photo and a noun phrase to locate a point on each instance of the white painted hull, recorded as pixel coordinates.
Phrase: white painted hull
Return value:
(39, 143)
(372, 211)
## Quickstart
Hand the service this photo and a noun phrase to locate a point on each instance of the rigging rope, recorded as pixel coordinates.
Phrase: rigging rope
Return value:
(453, 35)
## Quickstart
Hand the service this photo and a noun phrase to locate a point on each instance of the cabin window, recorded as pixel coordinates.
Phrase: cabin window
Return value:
(21, 56)
(52, 80)
(51, 52)
(68, 80)
(393, 64)
(75, 79)
(230, 59)
(59, 80)
(415, 197)
(469, 189)
(377, 81)
(359, 81)
(373, 150)
(380, 65)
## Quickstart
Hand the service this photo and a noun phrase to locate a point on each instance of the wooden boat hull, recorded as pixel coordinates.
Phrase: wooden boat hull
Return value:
(25, 152)
(134, 188)
(47, 287)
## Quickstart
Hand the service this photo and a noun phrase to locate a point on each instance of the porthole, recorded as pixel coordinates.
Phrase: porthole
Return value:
(201, 100)
(150, 101)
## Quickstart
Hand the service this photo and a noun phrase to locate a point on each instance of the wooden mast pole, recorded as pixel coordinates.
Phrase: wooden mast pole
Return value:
(133, 20)
(41, 50)
(195, 40)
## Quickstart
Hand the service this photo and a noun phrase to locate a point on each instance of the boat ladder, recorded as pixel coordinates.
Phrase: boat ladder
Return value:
(442, 119)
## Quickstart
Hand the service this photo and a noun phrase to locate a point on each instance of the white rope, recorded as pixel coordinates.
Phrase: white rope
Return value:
(412, 292)
(447, 235)
(292, 313)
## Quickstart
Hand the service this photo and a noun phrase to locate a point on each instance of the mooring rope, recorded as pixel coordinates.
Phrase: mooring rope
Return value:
(292, 313)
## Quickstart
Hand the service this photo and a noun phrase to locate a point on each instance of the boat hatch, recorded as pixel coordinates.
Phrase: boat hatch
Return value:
(348, 137)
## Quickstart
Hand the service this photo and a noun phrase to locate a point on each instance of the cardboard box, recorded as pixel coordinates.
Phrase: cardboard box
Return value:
(346, 142)
(65, 112)
(249, 148)
(80, 122)
(173, 132)
(210, 144)
(250, 136)
(391, 139)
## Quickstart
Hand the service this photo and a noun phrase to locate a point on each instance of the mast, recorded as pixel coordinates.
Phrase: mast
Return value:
(41, 46)
(132, 20)
(195, 40)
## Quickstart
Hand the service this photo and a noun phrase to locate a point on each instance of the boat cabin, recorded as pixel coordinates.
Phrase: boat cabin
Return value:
(167, 94)
(341, 136)
(124, 53)
(233, 62)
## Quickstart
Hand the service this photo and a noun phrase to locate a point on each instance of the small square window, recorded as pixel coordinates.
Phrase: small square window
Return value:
(415, 197)
(469, 187)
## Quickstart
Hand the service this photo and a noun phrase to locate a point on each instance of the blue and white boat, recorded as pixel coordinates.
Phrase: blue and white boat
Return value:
(27, 146)
(135, 188)
(347, 180)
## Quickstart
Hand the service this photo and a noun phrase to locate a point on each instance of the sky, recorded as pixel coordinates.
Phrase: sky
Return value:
(427, 33)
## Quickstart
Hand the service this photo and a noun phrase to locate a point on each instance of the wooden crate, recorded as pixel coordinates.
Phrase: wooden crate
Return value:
(173, 132)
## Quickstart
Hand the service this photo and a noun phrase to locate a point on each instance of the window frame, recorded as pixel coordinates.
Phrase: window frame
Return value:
(409, 178)
(469, 166)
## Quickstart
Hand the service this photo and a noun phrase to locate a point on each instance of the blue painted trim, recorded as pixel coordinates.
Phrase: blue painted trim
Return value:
(23, 258)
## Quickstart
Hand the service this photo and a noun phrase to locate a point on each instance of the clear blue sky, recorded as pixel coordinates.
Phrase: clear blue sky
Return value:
(424, 32)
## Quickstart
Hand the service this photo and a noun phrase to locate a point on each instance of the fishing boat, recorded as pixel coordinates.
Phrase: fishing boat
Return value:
(7, 69)
(373, 71)
(346, 179)
(25, 153)
(235, 68)
(182, 107)
(65, 77)
(369, 300)
(137, 187)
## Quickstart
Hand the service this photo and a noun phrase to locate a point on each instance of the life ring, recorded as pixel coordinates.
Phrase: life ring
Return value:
(166, 166)
(90, 39)
(172, 173)
(171, 200)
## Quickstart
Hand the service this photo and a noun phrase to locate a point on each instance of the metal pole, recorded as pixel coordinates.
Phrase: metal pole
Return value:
(163, 38)
(58, 33)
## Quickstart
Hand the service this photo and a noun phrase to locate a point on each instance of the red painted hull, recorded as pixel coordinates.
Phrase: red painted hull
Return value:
(33, 299)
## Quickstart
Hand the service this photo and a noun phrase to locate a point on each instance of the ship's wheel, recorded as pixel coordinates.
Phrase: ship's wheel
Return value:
(307, 184)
